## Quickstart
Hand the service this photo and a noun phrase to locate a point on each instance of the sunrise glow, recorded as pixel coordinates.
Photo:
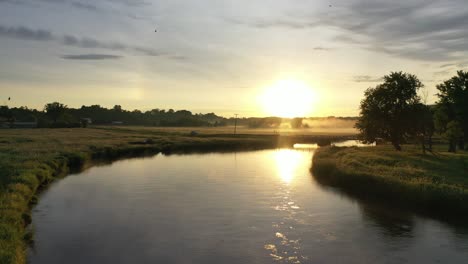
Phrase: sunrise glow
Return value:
(288, 98)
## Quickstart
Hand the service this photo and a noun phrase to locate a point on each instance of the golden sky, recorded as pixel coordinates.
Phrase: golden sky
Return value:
(223, 56)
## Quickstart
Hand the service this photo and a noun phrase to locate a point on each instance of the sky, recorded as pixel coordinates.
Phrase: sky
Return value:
(221, 56)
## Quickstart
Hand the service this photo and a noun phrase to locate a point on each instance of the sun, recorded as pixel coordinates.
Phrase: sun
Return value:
(288, 98)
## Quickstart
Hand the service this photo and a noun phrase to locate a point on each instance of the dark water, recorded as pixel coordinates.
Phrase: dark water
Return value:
(250, 207)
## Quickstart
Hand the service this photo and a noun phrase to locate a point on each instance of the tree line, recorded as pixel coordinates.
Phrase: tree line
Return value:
(56, 115)
(395, 112)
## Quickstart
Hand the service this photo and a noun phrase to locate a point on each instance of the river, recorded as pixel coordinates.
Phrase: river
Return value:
(245, 207)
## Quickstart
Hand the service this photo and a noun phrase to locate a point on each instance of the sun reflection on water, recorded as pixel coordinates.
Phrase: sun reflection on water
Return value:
(287, 162)
(284, 246)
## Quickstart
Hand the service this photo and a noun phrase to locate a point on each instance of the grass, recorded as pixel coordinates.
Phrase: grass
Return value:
(432, 184)
(32, 159)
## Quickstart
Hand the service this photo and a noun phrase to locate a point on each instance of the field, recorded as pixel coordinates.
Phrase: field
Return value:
(317, 131)
(32, 158)
(434, 183)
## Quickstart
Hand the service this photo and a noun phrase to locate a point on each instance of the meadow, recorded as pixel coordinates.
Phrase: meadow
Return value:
(433, 183)
(30, 159)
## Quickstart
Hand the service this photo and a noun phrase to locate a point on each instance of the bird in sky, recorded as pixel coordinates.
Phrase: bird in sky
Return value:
(9, 98)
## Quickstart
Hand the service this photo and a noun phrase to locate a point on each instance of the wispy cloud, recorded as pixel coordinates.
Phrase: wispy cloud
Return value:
(321, 48)
(414, 29)
(87, 42)
(132, 3)
(16, 2)
(441, 73)
(26, 33)
(75, 41)
(367, 78)
(91, 57)
(447, 65)
(266, 23)
(86, 6)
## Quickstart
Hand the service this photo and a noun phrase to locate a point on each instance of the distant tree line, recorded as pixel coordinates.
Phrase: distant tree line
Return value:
(56, 115)
(59, 115)
(393, 111)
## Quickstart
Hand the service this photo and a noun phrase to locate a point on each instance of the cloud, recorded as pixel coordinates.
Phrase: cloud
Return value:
(26, 33)
(91, 57)
(264, 23)
(441, 73)
(447, 65)
(415, 29)
(75, 41)
(87, 42)
(147, 51)
(321, 49)
(16, 2)
(76, 4)
(85, 6)
(367, 78)
(131, 3)
(178, 57)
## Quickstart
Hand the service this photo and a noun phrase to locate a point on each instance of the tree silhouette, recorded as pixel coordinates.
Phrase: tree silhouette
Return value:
(453, 100)
(55, 110)
(387, 111)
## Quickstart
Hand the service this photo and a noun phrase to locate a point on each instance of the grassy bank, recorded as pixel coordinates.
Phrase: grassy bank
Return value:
(434, 184)
(31, 159)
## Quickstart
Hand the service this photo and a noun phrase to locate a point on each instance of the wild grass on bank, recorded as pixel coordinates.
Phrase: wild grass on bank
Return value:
(429, 183)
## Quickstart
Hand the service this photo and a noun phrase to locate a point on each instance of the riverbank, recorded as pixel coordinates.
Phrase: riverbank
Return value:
(30, 159)
(431, 184)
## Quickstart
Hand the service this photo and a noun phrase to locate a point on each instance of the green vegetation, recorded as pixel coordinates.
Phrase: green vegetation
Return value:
(31, 159)
(451, 117)
(435, 184)
(393, 111)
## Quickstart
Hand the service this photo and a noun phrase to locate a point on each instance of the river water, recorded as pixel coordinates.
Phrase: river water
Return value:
(246, 207)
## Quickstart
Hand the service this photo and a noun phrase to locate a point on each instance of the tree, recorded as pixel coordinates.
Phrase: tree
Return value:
(453, 99)
(453, 133)
(55, 110)
(387, 110)
(441, 121)
(424, 127)
(6, 115)
(117, 108)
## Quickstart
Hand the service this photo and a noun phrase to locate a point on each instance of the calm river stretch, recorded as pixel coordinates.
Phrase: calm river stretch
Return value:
(246, 207)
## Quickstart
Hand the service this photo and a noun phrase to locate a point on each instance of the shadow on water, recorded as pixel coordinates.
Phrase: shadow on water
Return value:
(394, 220)
(394, 226)
(393, 223)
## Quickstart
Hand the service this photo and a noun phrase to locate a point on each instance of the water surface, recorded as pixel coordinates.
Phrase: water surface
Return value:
(249, 207)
